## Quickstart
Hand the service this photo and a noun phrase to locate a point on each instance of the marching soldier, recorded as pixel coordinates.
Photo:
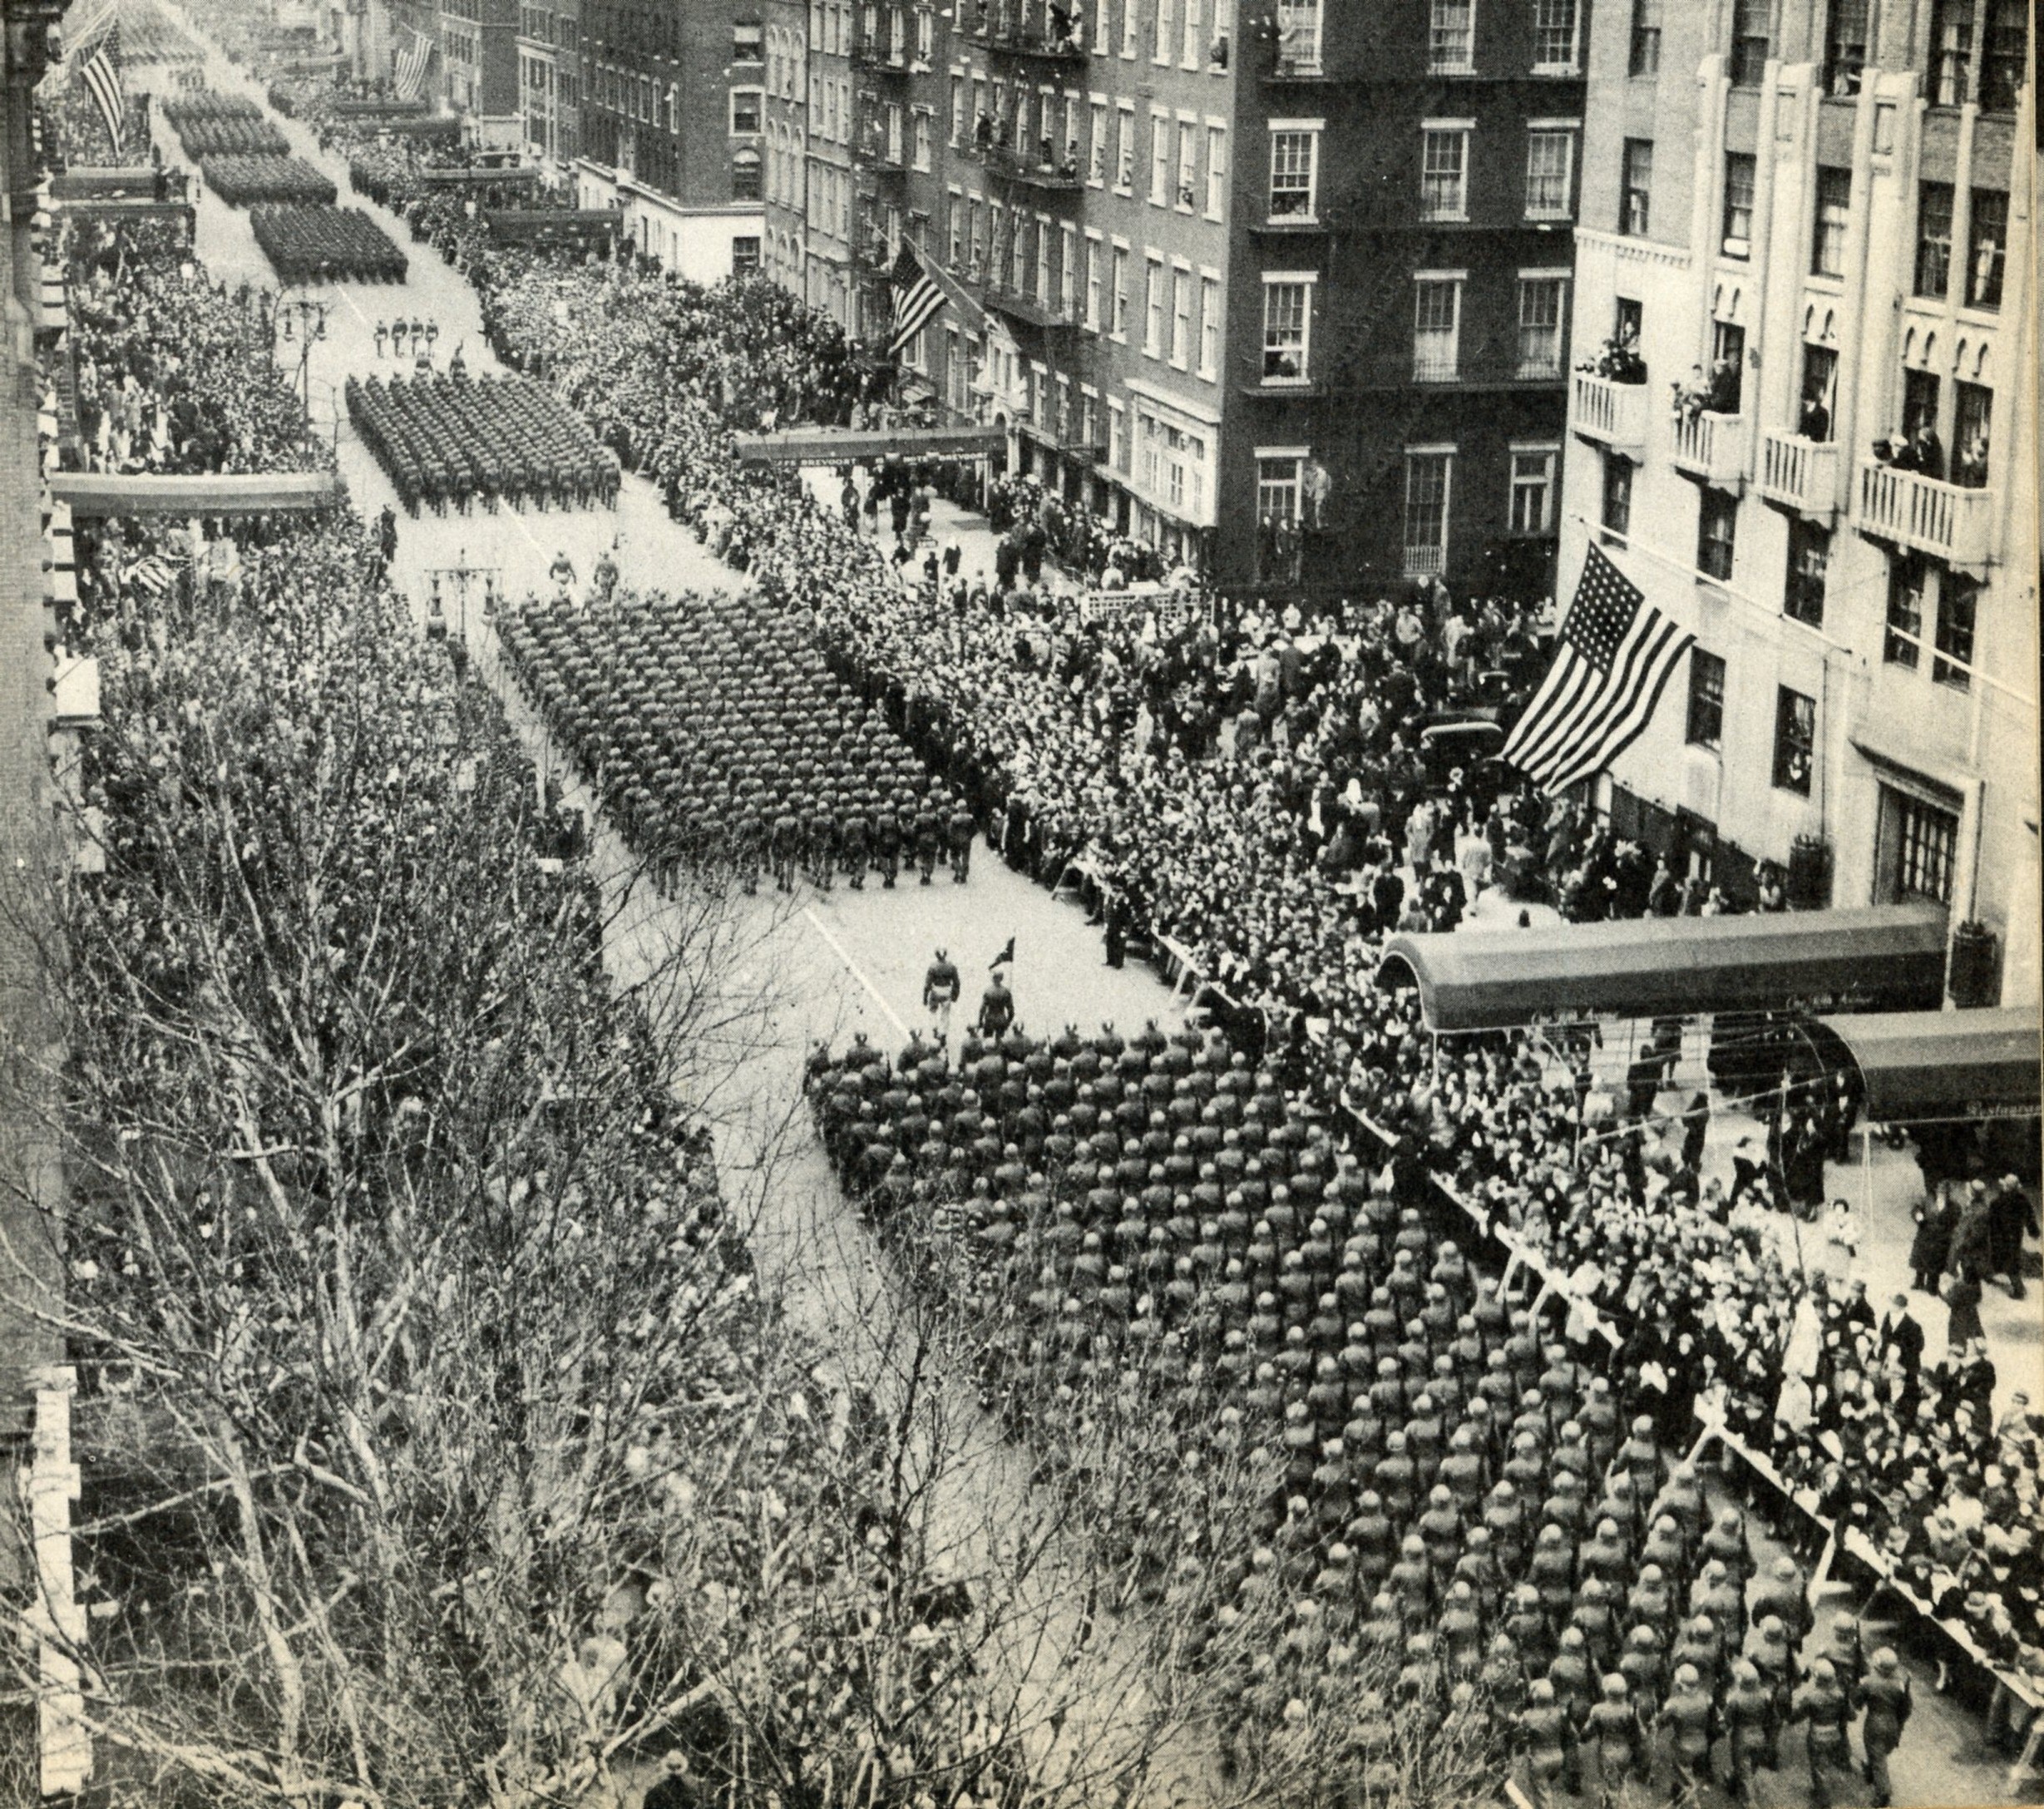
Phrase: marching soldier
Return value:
(996, 1007)
(963, 832)
(786, 847)
(853, 848)
(1822, 1706)
(941, 989)
(929, 838)
(887, 844)
(1888, 1704)
(1750, 1728)
(1619, 1739)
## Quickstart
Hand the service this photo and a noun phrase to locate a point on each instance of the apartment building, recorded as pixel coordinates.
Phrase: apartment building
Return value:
(827, 280)
(550, 70)
(479, 67)
(673, 129)
(1406, 199)
(1807, 433)
(786, 149)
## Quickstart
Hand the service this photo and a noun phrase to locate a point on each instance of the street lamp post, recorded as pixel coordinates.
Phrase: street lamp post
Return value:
(301, 320)
(456, 582)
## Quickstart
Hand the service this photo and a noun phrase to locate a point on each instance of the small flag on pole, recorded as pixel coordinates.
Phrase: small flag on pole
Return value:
(102, 79)
(916, 299)
(1005, 958)
(1617, 652)
(152, 576)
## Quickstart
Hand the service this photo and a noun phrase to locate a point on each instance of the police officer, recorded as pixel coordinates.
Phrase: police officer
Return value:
(941, 986)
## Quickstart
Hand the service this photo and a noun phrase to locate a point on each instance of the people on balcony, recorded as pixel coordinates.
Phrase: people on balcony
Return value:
(1813, 421)
(1921, 452)
(1969, 469)
(1618, 360)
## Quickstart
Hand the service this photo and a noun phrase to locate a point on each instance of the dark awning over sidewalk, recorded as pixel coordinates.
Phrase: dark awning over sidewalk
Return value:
(836, 446)
(98, 493)
(1886, 955)
(1918, 1065)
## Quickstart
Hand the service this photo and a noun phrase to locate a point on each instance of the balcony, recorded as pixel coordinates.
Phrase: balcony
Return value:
(1612, 413)
(1907, 509)
(880, 58)
(1027, 34)
(1022, 306)
(1800, 474)
(1711, 447)
(878, 157)
(1028, 172)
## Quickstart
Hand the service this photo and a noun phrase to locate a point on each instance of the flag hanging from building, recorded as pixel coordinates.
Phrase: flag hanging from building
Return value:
(916, 299)
(409, 74)
(102, 79)
(1615, 654)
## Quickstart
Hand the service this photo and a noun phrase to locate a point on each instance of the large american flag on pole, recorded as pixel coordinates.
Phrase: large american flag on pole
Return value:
(1617, 652)
(917, 299)
(409, 72)
(102, 79)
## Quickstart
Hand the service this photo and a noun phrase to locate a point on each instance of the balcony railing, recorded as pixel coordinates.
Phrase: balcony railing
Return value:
(1033, 38)
(1612, 413)
(1711, 447)
(1425, 561)
(1799, 474)
(1018, 166)
(1022, 305)
(1908, 509)
(880, 55)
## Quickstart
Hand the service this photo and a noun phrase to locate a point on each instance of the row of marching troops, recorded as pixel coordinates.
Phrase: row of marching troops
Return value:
(1473, 1511)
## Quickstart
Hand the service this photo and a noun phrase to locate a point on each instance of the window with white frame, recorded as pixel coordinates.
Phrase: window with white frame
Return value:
(1451, 37)
(1430, 471)
(1543, 296)
(1125, 147)
(924, 134)
(1532, 488)
(1298, 36)
(1217, 169)
(1068, 272)
(1181, 319)
(1209, 328)
(1188, 166)
(1444, 172)
(1131, 21)
(1160, 160)
(1153, 306)
(1278, 482)
(747, 106)
(1193, 49)
(1118, 436)
(1287, 330)
(1436, 325)
(1550, 172)
(1093, 285)
(1096, 160)
(1554, 36)
(1117, 325)
(1295, 158)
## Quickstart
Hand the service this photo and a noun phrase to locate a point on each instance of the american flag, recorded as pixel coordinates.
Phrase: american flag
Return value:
(409, 71)
(102, 79)
(916, 299)
(1615, 654)
(152, 576)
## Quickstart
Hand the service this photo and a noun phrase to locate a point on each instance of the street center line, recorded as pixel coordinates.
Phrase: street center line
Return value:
(858, 973)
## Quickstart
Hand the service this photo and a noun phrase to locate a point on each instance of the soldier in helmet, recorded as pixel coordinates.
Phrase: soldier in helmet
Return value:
(1822, 1706)
(887, 843)
(929, 838)
(1751, 1728)
(962, 831)
(1691, 1718)
(1553, 1758)
(1888, 1704)
(852, 843)
(942, 987)
(785, 844)
(1617, 1737)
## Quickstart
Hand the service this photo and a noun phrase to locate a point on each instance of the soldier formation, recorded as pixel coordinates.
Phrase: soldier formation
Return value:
(452, 438)
(717, 737)
(1467, 1516)
(326, 245)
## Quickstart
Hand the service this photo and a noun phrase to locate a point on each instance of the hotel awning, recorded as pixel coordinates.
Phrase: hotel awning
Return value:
(1889, 956)
(1924, 1066)
(98, 493)
(836, 446)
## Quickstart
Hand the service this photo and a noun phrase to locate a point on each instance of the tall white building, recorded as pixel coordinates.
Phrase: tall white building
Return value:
(1812, 222)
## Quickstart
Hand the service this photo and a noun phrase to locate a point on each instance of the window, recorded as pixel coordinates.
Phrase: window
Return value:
(1738, 236)
(1277, 488)
(1153, 307)
(1920, 393)
(1908, 579)
(1635, 184)
(1166, 22)
(1093, 285)
(1986, 248)
(1540, 325)
(1181, 319)
(1645, 58)
(1795, 739)
(1125, 148)
(924, 133)
(1118, 267)
(1293, 160)
(1532, 489)
(1958, 600)
(1209, 328)
(1951, 50)
(1451, 37)
(1819, 407)
(2005, 54)
(1217, 169)
(1427, 477)
(747, 43)
(1617, 493)
(1189, 166)
(1834, 197)
(1286, 319)
(1554, 36)
(1436, 320)
(1160, 160)
(746, 108)
(1299, 37)
(745, 176)
(1717, 520)
(1118, 436)
(744, 255)
(1934, 239)
(1550, 160)
(1809, 558)
(1444, 173)
(1748, 43)
(1916, 850)
(1705, 726)
(1068, 272)
(1973, 420)
(1728, 365)
(1194, 50)
(1845, 47)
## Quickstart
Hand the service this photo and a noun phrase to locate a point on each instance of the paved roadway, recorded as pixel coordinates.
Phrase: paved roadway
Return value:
(813, 968)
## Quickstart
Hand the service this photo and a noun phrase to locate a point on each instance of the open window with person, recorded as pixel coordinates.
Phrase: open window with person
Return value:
(1973, 421)
(1814, 413)
(1795, 740)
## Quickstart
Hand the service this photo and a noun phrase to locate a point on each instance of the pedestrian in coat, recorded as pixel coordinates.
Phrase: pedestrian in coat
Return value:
(2010, 1214)
(1936, 1219)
